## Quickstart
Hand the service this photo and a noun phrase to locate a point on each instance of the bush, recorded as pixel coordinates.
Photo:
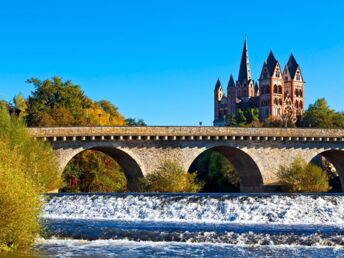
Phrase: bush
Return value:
(37, 158)
(19, 202)
(27, 168)
(302, 177)
(170, 177)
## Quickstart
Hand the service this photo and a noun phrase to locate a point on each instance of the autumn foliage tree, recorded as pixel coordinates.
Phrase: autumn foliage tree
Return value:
(55, 102)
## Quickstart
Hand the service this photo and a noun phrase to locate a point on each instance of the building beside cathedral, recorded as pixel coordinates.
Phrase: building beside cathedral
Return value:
(278, 94)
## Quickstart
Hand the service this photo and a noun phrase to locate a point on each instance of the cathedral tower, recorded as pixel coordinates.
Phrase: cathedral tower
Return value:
(271, 89)
(245, 84)
(231, 96)
(218, 95)
(294, 85)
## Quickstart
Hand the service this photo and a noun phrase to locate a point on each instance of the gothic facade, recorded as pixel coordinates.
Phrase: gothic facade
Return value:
(278, 96)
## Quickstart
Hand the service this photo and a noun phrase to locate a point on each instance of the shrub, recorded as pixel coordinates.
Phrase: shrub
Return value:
(170, 177)
(19, 202)
(302, 177)
(27, 168)
(37, 158)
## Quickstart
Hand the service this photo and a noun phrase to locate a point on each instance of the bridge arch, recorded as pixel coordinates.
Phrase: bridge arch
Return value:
(336, 158)
(250, 177)
(126, 160)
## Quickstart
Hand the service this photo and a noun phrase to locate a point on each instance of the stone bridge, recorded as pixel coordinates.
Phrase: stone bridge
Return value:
(256, 153)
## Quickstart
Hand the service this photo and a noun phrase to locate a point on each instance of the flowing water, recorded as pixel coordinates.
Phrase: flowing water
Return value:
(192, 225)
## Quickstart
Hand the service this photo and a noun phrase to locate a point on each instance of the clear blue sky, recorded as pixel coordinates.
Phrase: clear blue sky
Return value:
(159, 60)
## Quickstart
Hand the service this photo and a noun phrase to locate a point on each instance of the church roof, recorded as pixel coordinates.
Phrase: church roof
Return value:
(292, 65)
(271, 63)
(231, 82)
(245, 70)
(218, 85)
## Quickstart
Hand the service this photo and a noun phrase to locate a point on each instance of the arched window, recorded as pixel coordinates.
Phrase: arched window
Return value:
(300, 93)
(275, 88)
(280, 89)
(280, 102)
(275, 101)
(267, 89)
(296, 104)
(296, 93)
(301, 104)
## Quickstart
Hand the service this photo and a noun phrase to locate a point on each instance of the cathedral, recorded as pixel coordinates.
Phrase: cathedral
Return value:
(277, 95)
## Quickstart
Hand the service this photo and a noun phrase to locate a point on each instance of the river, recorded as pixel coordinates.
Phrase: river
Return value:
(192, 225)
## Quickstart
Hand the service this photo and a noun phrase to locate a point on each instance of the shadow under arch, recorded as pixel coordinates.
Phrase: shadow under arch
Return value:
(128, 164)
(336, 158)
(250, 178)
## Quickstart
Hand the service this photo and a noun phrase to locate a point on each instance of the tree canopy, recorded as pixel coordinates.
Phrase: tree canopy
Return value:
(320, 115)
(55, 102)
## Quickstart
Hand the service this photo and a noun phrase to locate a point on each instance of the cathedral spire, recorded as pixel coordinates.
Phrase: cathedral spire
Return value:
(245, 70)
(231, 82)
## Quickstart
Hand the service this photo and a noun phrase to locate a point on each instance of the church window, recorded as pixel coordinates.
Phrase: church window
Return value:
(275, 101)
(278, 73)
(301, 104)
(298, 77)
(300, 93)
(280, 89)
(296, 104)
(280, 102)
(275, 88)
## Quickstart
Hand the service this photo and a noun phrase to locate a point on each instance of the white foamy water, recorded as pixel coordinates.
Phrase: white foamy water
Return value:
(270, 209)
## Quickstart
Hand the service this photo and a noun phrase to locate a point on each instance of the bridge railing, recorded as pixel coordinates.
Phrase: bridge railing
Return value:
(187, 133)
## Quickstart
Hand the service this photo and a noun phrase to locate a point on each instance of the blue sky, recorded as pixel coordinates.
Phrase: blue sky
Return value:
(159, 60)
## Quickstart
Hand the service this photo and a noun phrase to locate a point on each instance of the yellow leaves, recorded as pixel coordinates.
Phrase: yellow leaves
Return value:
(97, 116)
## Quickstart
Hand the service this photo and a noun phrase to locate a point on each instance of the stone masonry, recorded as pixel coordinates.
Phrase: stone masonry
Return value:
(256, 153)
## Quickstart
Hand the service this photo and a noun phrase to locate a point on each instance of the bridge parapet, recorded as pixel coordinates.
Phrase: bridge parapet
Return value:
(186, 133)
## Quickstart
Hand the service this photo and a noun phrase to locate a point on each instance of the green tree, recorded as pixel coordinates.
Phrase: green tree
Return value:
(170, 177)
(53, 94)
(248, 116)
(241, 118)
(216, 171)
(302, 177)
(232, 120)
(222, 171)
(134, 122)
(320, 115)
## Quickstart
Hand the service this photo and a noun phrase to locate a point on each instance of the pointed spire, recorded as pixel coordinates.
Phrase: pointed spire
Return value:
(245, 70)
(292, 65)
(271, 63)
(231, 82)
(218, 85)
